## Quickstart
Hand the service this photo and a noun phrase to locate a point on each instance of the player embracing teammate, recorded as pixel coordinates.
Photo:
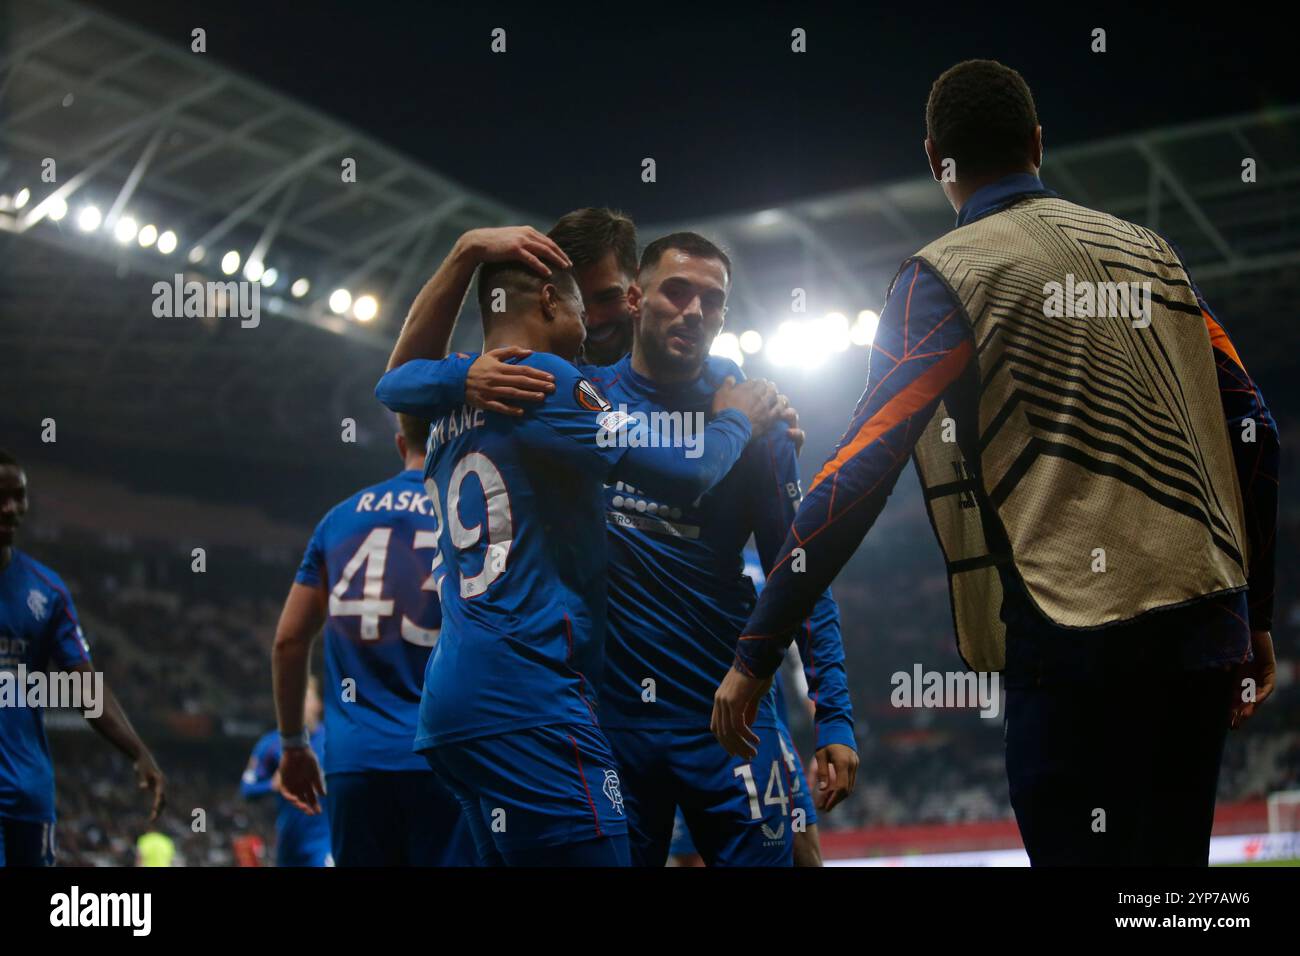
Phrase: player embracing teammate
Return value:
(526, 525)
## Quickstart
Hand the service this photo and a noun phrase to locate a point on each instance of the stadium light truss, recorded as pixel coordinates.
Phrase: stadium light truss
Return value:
(194, 162)
(143, 130)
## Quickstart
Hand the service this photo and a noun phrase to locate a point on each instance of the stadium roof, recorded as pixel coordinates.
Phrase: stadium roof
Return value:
(1185, 182)
(146, 130)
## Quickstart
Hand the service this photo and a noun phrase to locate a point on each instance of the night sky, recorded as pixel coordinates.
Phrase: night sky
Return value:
(734, 120)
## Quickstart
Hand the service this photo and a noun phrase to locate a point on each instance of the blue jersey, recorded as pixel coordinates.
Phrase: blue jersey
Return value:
(301, 838)
(678, 588)
(678, 592)
(522, 550)
(375, 552)
(39, 632)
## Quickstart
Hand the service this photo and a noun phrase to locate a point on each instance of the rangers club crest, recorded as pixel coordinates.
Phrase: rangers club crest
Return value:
(36, 603)
(611, 790)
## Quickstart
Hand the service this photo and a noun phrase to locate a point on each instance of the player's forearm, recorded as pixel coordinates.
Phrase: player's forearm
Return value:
(115, 727)
(1257, 464)
(1256, 449)
(819, 544)
(426, 333)
(668, 473)
(290, 661)
(301, 620)
(821, 650)
(425, 387)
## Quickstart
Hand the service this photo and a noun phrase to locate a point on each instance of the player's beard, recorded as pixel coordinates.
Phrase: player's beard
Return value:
(602, 350)
(667, 367)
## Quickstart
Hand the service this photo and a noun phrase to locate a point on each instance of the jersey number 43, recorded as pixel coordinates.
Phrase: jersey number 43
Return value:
(372, 606)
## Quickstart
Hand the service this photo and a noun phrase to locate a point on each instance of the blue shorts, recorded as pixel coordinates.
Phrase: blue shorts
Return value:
(311, 853)
(739, 814)
(545, 795)
(803, 798)
(681, 843)
(396, 818)
(24, 843)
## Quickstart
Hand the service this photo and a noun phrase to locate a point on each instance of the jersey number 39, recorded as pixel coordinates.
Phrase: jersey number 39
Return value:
(500, 524)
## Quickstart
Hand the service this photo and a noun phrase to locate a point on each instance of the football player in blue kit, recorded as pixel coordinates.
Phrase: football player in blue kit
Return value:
(677, 594)
(39, 635)
(365, 578)
(508, 715)
(301, 839)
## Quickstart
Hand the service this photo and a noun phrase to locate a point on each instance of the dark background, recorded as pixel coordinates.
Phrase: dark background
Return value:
(732, 118)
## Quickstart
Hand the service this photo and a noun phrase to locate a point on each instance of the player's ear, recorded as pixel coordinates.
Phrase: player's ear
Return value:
(400, 439)
(634, 299)
(936, 162)
(547, 299)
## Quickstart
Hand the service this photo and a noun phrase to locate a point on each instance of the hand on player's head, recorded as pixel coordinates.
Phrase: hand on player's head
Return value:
(517, 244)
(757, 399)
(495, 385)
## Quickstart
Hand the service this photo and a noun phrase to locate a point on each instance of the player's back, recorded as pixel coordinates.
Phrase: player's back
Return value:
(374, 552)
(521, 566)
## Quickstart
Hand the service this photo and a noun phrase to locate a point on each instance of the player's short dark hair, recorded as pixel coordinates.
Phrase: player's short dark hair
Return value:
(414, 430)
(981, 115)
(520, 284)
(588, 235)
(7, 458)
(691, 243)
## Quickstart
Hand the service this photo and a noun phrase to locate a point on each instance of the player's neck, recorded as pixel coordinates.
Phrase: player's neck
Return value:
(660, 376)
(523, 335)
(6, 555)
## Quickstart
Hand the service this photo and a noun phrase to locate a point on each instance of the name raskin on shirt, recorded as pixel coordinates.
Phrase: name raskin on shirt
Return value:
(74, 908)
(620, 428)
(451, 426)
(946, 689)
(402, 501)
(75, 690)
(1085, 299)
